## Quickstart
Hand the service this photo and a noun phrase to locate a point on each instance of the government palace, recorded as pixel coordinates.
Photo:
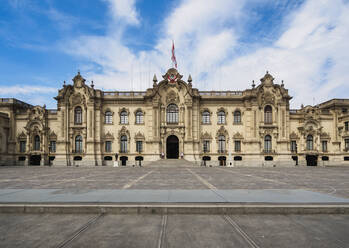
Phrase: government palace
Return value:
(173, 120)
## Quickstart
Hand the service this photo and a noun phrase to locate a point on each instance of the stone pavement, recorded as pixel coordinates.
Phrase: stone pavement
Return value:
(217, 186)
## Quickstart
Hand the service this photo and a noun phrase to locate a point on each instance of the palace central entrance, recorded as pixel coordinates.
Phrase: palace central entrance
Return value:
(172, 147)
(311, 160)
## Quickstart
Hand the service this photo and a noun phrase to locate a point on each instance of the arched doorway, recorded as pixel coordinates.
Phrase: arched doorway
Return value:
(172, 147)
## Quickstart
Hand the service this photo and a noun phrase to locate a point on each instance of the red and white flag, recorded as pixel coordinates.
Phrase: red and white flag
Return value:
(174, 61)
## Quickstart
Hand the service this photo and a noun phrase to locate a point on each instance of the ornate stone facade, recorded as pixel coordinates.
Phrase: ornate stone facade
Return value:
(254, 127)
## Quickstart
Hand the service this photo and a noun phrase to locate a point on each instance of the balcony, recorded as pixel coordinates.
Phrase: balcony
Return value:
(268, 151)
(220, 151)
(78, 151)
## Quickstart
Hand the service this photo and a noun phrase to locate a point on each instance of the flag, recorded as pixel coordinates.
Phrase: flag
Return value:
(174, 61)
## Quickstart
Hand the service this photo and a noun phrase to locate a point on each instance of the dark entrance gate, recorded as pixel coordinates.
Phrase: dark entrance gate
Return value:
(311, 160)
(35, 160)
(172, 147)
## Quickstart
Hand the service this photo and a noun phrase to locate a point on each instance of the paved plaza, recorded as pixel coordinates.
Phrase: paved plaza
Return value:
(191, 184)
(328, 180)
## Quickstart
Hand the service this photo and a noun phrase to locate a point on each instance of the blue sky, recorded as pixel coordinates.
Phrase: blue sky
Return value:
(223, 44)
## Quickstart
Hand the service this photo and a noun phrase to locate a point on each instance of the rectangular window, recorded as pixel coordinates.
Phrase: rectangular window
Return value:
(206, 146)
(124, 119)
(293, 146)
(52, 146)
(22, 145)
(324, 146)
(206, 118)
(346, 126)
(139, 146)
(108, 146)
(347, 144)
(221, 119)
(237, 146)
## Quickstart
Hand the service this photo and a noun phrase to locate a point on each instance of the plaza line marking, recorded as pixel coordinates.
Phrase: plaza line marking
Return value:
(249, 175)
(240, 231)
(82, 229)
(130, 184)
(210, 186)
(162, 236)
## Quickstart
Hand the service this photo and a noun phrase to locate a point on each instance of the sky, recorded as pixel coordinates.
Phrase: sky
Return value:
(223, 44)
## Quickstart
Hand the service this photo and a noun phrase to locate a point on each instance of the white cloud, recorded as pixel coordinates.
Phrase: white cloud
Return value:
(311, 54)
(124, 10)
(25, 90)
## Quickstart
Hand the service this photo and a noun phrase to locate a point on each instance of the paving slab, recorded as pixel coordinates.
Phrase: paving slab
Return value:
(168, 196)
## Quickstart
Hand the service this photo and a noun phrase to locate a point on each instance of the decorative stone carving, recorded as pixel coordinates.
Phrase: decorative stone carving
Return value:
(139, 136)
(206, 136)
(238, 136)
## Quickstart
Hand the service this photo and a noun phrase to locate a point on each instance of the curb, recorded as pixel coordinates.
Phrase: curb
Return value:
(162, 209)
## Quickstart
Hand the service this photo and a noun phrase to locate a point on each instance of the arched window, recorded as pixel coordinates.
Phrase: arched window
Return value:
(78, 115)
(206, 117)
(78, 144)
(108, 117)
(268, 114)
(37, 143)
(123, 117)
(221, 144)
(267, 143)
(237, 117)
(123, 144)
(221, 117)
(310, 142)
(139, 117)
(172, 113)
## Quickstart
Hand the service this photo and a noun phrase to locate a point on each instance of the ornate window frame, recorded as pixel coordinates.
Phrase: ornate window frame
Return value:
(139, 110)
(206, 110)
(108, 110)
(124, 110)
(219, 110)
(124, 132)
(237, 110)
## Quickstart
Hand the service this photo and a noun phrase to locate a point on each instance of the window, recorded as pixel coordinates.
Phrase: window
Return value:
(206, 117)
(139, 117)
(310, 142)
(293, 146)
(237, 146)
(139, 146)
(52, 146)
(78, 144)
(123, 145)
(37, 143)
(267, 143)
(108, 117)
(172, 113)
(346, 144)
(78, 115)
(221, 144)
(108, 146)
(268, 115)
(221, 117)
(324, 146)
(237, 117)
(22, 145)
(206, 146)
(346, 126)
(123, 117)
